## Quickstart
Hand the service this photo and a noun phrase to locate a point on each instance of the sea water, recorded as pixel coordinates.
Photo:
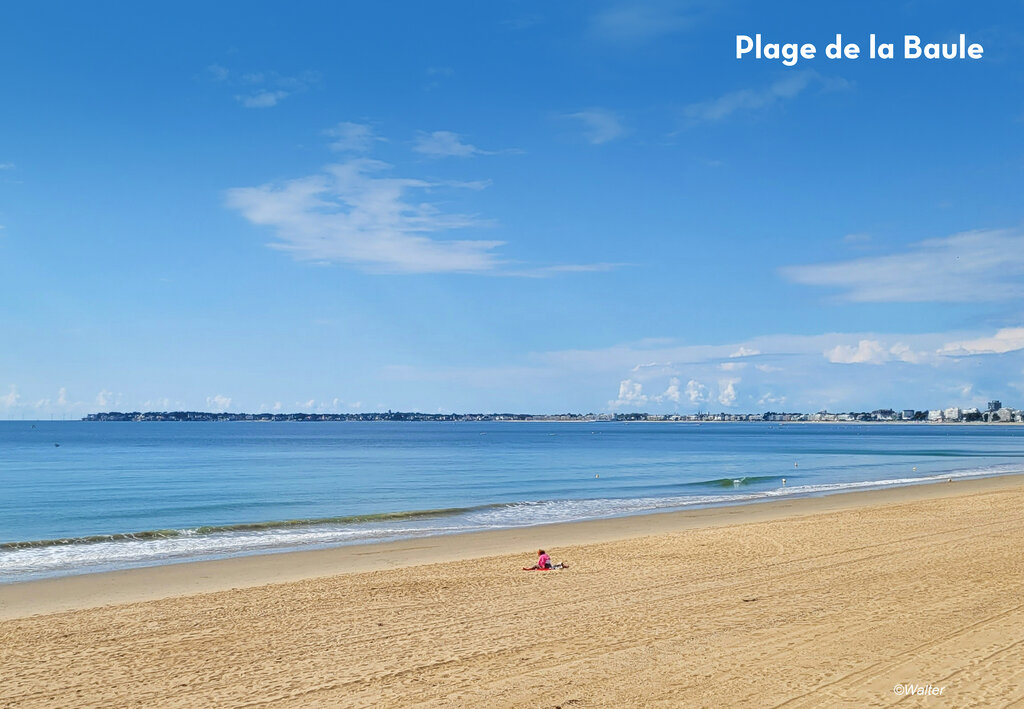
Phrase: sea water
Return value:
(79, 497)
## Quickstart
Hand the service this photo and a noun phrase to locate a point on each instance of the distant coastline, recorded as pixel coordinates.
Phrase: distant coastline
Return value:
(996, 413)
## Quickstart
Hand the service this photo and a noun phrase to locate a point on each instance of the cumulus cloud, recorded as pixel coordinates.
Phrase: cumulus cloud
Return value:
(631, 393)
(866, 352)
(875, 352)
(443, 143)
(671, 393)
(965, 267)
(770, 399)
(10, 399)
(104, 398)
(1005, 340)
(788, 87)
(352, 137)
(350, 213)
(696, 392)
(727, 391)
(218, 402)
(599, 125)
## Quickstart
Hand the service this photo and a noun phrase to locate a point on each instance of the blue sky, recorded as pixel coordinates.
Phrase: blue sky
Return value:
(543, 207)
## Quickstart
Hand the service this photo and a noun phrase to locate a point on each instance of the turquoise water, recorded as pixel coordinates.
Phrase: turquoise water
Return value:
(79, 497)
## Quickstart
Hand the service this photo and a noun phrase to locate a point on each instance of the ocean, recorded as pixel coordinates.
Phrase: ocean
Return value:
(79, 497)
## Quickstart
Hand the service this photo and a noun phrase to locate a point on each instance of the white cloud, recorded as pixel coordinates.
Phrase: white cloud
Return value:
(875, 352)
(104, 398)
(262, 99)
(727, 391)
(1005, 340)
(866, 352)
(967, 267)
(732, 366)
(631, 393)
(548, 271)
(350, 214)
(6, 165)
(218, 402)
(767, 368)
(218, 72)
(769, 399)
(696, 392)
(263, 89)
(352, 137)
(904, 353)
(62, 396)
(443, 143)
(672, 392)
(745, 352)
(788, 87)
(599, 125)
(10, 399)
(636, 23)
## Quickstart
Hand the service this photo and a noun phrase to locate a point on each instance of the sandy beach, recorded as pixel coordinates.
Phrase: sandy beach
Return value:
(849, 600)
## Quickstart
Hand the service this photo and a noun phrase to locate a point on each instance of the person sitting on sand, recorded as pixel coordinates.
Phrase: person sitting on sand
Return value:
(544, 563)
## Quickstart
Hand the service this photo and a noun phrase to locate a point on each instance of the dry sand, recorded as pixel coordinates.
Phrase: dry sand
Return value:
(804, 603)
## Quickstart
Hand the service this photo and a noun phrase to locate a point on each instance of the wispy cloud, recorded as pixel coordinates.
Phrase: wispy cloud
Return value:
(262, 99)
(637, 22)
(352, 137)
(599, 125)
(6, 165)
(435, 75)
(523, 22)
(548, 271)
(443, 143)
(350, 213)
(262, 89)
(218, 72)
(744, 100)
(967, 267)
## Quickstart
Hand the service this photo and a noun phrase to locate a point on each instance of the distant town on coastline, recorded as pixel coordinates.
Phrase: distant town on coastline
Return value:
(995, 413)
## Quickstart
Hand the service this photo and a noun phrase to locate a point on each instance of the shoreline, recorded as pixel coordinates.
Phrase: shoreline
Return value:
(849, 600)
(150, 583)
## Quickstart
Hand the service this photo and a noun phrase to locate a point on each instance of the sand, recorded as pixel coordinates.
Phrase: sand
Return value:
(804, 603)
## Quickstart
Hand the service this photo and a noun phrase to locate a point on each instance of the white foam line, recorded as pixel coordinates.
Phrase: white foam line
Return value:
(21, 564)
